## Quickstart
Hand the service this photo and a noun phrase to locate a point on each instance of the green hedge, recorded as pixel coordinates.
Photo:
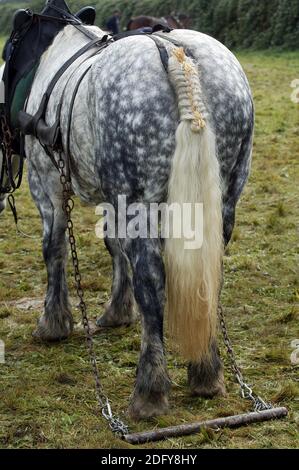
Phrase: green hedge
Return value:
(255, 24)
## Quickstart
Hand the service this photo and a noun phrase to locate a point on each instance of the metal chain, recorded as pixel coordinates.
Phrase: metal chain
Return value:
(246, 391)
(6, 151)
(7, 170)
(7, 135)
(115, 423)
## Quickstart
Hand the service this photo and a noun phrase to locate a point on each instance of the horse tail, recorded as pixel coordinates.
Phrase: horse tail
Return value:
(129, 24)
(193, 275)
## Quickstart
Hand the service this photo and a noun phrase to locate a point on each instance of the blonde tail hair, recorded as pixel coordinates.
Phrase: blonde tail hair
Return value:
(193, 276)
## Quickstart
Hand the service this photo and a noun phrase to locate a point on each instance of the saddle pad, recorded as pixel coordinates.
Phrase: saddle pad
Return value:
(21, 92)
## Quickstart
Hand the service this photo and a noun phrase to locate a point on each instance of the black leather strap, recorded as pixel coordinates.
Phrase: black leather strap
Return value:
(49, 136)
(68, 156)
(162, 51)
(72, 20)
(174, 42)
(137, 32)
(161, 48)
(96, 41)
(29, 124)
(64, 13)
(86, 31)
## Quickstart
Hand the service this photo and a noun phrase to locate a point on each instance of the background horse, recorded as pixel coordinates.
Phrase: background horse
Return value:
(180, 21)
(182, 137)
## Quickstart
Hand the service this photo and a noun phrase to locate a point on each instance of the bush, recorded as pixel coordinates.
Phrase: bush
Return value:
(236, 23)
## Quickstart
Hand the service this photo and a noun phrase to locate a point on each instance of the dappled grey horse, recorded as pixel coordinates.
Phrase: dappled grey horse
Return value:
(177, 136)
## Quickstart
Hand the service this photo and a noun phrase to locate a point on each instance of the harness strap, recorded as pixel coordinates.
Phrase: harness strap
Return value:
(86, 31)
(137, 32)
(29, 124)
(96, 41)
(65, 21)
(162, 51)
(68, 138)
(161, 48)
(64, 13)
(68, 157)
(174, 42)
(50, 136)
(15, 182)
(33, 125)
(71, 105)
(8, 171)
(12, 205)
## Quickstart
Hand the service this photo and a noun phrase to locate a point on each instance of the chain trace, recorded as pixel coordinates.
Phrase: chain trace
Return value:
(116, 425)
(246, 391)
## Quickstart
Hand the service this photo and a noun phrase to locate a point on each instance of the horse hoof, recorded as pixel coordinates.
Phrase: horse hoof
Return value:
(218, 391)
(206, 378)
(144, 407)
(113, 318)
(53, 333)
(46, 337)
(211, 390)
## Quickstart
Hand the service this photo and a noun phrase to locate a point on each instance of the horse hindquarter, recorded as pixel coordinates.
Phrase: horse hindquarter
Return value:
(124, 122)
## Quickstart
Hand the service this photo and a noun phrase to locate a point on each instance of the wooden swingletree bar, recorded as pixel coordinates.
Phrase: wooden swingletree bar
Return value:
(187, 429)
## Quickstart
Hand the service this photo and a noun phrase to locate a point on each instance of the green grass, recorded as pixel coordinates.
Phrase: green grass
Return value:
(47, 396)
(2, 41)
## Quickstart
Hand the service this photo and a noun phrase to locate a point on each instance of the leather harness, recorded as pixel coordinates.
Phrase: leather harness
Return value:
(31, 35)
(50, 136)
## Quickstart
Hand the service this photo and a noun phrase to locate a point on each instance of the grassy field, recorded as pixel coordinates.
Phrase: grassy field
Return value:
(1, 46)
(47, 396)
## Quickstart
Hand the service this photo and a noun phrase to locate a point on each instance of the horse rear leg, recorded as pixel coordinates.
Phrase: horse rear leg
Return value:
(56, 323)
(206, 378)
(150, 396)
(120, 310)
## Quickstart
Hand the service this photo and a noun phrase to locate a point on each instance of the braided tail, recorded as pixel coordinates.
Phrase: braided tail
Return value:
(193, 275)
